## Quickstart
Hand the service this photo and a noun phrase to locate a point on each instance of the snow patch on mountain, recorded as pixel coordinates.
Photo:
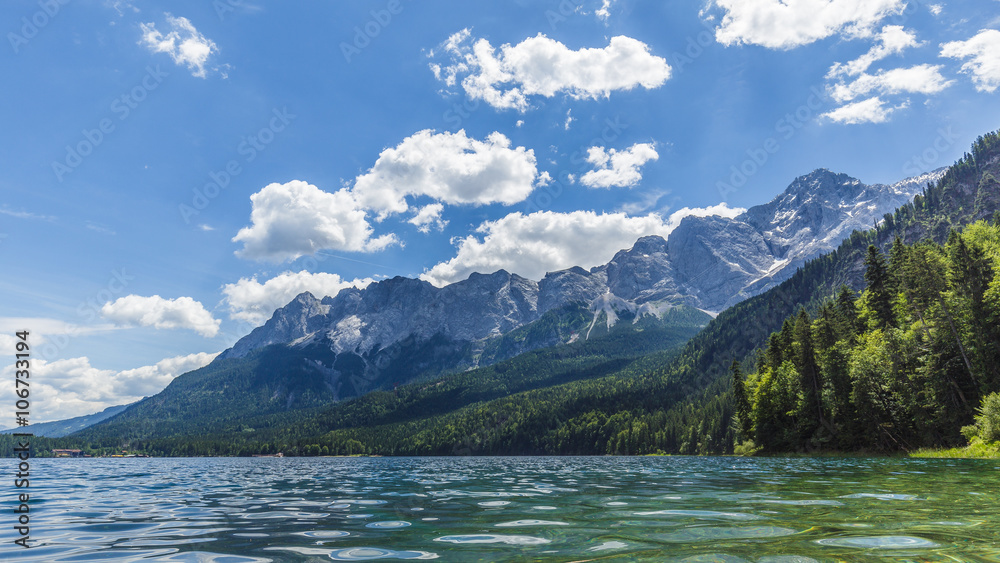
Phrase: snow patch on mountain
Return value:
(708, 263)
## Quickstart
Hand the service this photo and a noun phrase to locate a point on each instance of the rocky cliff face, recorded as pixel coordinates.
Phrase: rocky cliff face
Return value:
(708, 263)
(718, 262)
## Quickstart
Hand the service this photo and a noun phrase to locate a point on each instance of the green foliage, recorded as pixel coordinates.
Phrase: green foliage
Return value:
(900, 367)
(987, 425)
(910, 377)
(743, 414)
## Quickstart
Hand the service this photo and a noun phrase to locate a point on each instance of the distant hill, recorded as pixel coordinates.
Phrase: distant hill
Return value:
(60, 428)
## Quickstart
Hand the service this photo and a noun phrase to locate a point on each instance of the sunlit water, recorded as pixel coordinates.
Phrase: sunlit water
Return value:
(509, 509)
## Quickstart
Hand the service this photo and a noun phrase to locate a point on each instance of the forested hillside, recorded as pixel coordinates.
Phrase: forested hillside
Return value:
(929, 326)
(252, 428)
(904, 366)
(685, 405)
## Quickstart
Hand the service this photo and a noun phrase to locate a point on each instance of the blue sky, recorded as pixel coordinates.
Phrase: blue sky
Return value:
(174, 171)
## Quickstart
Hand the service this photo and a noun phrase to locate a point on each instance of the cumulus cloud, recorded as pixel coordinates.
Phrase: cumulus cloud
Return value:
(983, 52)
(296, 218)
(427, 217)
(185, 45)
(604, 12)
(785, 24)
(614, 168)
(72, 387)
(539, 66)
(448, 167)
(157, 312)
(872, 110)
(921, 79)
(852, 80)
(254, 302)
(892, 40)
(531, 245)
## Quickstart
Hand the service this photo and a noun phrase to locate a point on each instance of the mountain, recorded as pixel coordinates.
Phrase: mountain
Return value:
(316, 351)
(60, 428)
(718, 262)
(684, 403)
(242, 404)
(706, 262)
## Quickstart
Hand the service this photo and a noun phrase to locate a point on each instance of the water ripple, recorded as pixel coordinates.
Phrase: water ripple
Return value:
(492, 538)
(768, 510)
(879, 542)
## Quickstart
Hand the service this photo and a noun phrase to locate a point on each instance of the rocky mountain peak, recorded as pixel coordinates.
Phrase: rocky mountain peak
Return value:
(651, 244)
(706, 262)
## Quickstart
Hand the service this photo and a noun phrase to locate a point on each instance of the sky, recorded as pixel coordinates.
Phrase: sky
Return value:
(173, 172)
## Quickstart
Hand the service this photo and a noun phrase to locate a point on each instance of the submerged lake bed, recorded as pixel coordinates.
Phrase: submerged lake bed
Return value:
(698, 509)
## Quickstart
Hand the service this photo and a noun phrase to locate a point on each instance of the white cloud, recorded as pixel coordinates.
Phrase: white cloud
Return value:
(920, 79)
(613, 168)
(935, 9)
(892, 40)
(68, 388)
(25, 214)
(647, 199)
(531, 245)
(149, 380)
(449, 167)
(157, 312)
(983, 50)
(41, 327)
(604, 12)
(872, 110)
(545, 67)
(429, 216)
(721, 210)
(785, 24)
(255, 302)
(183, 43)
(296, 218)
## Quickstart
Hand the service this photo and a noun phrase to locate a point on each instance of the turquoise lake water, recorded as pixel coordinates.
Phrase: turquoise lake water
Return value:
(226, 510)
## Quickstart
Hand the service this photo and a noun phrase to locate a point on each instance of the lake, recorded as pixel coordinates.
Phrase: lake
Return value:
(697, 509)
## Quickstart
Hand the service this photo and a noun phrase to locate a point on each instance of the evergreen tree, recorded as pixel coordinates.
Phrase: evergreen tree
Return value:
(810, 408)
(880, 287)
(743, 418)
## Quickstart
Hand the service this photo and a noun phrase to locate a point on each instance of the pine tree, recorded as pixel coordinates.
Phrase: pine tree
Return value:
(743, 418)
(810, 408)
(879, 287)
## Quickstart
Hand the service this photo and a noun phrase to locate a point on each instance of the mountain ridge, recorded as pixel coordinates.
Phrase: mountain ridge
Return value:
(708, 263)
